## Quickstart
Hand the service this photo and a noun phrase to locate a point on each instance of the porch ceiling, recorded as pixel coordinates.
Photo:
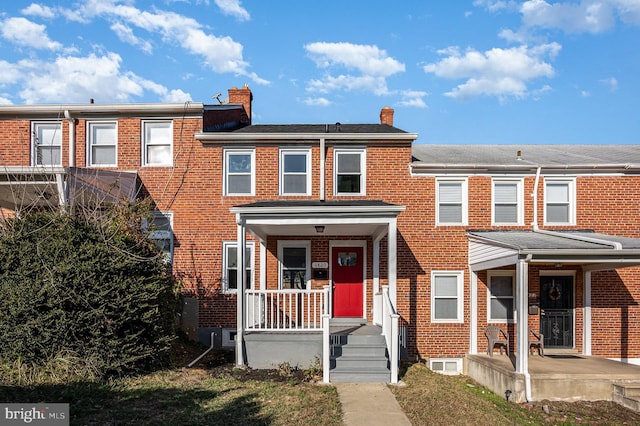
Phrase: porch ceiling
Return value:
(492, 249)
(317, 218)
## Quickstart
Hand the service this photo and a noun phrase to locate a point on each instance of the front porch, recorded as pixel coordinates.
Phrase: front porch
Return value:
(560, 376)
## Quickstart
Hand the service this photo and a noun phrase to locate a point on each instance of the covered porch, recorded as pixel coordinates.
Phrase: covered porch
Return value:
(569, 257)
(322, 264)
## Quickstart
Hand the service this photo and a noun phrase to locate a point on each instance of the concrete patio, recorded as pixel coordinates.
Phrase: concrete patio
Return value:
(560, 376)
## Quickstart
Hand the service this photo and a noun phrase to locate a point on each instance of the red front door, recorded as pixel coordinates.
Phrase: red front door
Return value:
(347, 281)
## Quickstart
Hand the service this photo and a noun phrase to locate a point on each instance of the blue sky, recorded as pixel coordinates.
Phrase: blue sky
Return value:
(483, 71)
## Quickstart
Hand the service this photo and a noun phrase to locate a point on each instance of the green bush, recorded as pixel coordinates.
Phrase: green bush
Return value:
(95, 288)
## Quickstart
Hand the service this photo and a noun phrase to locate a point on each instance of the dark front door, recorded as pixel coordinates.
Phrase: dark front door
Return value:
(347, 278)
(556, 311)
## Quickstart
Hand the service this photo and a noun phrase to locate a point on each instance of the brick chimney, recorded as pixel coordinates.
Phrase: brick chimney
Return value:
(242, 96)
(386, 116)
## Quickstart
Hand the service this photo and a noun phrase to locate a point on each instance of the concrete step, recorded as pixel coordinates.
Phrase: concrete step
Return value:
(360, 362)
(628, 396)
(361, 375)
(359, 350)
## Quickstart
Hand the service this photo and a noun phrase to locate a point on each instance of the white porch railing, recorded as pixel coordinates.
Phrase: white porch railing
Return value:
(286, 310)
(390, 332)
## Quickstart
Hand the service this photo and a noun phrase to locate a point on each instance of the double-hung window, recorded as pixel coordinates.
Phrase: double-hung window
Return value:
(447, 296)
(559, 201)
(295, 172)
(157, 143)
(160, 230)
(451, 202)
(47, 143)
(230, 266)
(103, 143)
(349, 177)
(507, 202)
(295, 262)
(239, 172)
(500, 295)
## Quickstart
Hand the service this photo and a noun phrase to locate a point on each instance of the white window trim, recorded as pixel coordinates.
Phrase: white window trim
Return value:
(145, 143)
(465, 201)
(519, 200)
(491, 274)
(458, 362)
(295, 151)
(225, 187)
(363, 170)
(295, 243)
(225, 278)
(34, 146)
(460, 296)
(162, 235)
(89, 133)
(572, 200)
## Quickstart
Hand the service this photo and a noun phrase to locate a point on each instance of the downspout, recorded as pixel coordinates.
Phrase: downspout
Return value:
(72, 138)
(534, 194)
(322, 169)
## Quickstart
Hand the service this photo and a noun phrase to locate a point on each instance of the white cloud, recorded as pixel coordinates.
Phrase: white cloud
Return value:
(585, 93)
(496, 72)
(35, 9)
(23, 32)
(611, 82)
(366, 67)
(176, 95)
(413, 98)
(220, 54)
(322, 102)
(586, 16)
(126, 35)
(5, 101)
(9, 73)
(77, 79)
(233, 8)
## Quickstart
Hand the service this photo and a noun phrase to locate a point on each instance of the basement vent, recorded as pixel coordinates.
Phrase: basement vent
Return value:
(449, 366)
(228, 337)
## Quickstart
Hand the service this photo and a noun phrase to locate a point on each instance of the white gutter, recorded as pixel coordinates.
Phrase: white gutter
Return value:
(72, 137)
(325, 210)
(144, 109)
(322, 169)
(215, 137)
(534, 194)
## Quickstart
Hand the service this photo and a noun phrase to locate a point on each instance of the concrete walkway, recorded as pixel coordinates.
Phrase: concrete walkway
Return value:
(370, 404)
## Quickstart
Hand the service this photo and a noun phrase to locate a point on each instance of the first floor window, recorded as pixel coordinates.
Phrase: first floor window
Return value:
(446, 296)
(160, 230)
(230, 266)
(47, 143)
(294, 264)
(103, 142)
(501, 291)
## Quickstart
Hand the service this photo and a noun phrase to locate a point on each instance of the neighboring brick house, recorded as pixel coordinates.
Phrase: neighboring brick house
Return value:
(452, 237)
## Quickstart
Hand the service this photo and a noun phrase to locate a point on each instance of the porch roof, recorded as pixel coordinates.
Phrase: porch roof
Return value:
(595, 251)
(316, 217)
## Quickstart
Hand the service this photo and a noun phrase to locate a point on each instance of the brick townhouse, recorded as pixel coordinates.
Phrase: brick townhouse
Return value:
(342, 227)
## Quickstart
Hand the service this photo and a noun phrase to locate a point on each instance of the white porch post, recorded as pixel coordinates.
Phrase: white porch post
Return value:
(377, 299)
(241, 243)
(473, 314)
(263, 264)
(522, 317)
(586, 326)
(392, 248)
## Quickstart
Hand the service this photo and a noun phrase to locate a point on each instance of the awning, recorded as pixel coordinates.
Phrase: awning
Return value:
(493, 249)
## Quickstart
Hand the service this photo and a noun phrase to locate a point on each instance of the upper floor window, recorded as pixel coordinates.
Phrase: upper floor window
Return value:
(160, 229)
(102, 138)
(451, 201)
(157, 143)
(500, 295)
(559, 201)
(295, 172)
(349, 171)
(230, 266)
(446, 296)
(47, 143)
(507, 202)
(239, 172)
(295, 262)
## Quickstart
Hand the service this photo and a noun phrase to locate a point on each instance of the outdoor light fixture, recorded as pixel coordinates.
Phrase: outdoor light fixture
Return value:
(319, 229)
(507, 394)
